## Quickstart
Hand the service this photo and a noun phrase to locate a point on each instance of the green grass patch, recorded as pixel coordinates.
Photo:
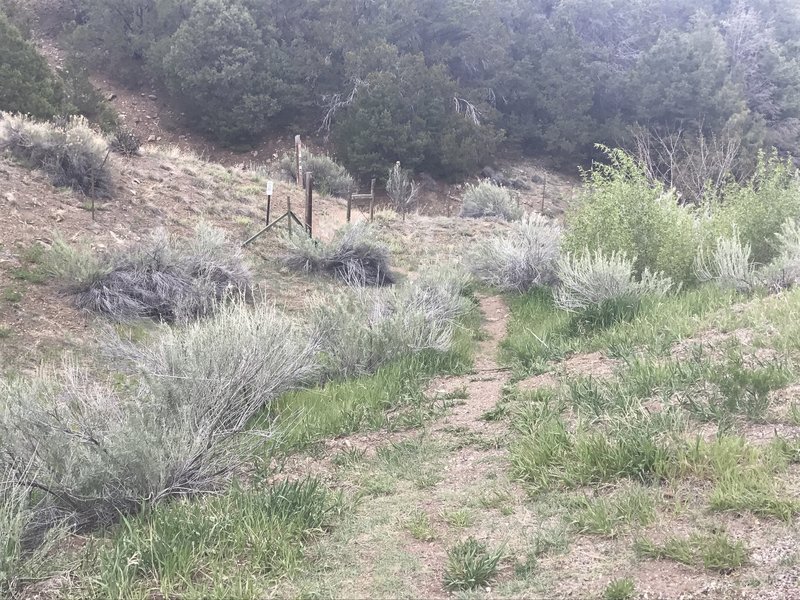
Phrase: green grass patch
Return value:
(539, 332)
(620, 589)
(12, 295)
(715, 552)
(470, 564)
(392, 398)
(419, 526)
(233, 545)
(610, 515)
(460, 518)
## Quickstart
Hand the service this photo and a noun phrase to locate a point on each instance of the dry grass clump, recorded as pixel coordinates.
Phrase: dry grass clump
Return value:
(164, 277)
(523, 258)
(94, 449)
(354, 256)
(489, 200)
(362, 329)
(123, 141)
(70, 152)
(22, 556)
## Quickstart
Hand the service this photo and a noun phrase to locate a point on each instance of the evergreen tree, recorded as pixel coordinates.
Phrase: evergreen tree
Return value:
(224, 71)
(27, 84)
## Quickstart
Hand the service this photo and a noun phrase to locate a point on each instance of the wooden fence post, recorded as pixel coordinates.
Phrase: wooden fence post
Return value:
(544, 191)
(309, 202)
(372, 200)
(289, 213)
(349, 205)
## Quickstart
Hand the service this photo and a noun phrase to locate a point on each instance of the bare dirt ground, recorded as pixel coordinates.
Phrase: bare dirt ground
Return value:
(459, 484)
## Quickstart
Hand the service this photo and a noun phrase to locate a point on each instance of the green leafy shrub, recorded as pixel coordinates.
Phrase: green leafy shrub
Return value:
(354, 256)
(470, 564)
(489, 200)
(756, 210)
(163, 278)
(330, 178)
(523, 258)
(71, 153)
(622, 212)
(27, 85)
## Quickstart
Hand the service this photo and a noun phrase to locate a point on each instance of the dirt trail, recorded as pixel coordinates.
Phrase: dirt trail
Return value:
(484, 386)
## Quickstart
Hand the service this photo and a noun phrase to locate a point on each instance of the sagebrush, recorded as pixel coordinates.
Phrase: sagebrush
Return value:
(355, 255)
(70, 153)
(402, 189)
(330, 178)
(523, 258)
(172, 424)
(163, 277)
(24, 552)
(489, 200)
(728, 264)
(362, 329)
(784, 270)
(604, 288)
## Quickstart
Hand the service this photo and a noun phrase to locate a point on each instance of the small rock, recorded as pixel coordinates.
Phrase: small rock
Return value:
(153, 97)
(151, 138)
(111, 97)
(158, 139)
(536, 179)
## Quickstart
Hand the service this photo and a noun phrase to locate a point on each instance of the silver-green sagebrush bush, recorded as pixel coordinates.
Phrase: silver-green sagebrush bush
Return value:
(362, 329)
(355, 256)
(164, 277)
(489, 200)
(784, 271)
(523, 258)
(605, 284)
(330, 178)
(70, 153)
(172, 426)
(728, 265)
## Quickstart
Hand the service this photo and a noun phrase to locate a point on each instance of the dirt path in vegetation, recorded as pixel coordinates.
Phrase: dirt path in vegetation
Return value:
(484, 386)
(468, 468)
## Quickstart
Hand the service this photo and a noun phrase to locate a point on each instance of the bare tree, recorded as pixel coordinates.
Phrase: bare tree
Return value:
(402, 190)
(336, 102)
(697, 165)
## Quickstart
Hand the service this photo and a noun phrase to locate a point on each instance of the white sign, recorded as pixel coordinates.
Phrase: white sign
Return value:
(269, 188)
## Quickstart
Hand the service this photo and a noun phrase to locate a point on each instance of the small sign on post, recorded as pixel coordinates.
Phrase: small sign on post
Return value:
(298, 149)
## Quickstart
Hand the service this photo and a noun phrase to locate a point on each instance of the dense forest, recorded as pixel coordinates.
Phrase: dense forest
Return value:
(443, 85)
